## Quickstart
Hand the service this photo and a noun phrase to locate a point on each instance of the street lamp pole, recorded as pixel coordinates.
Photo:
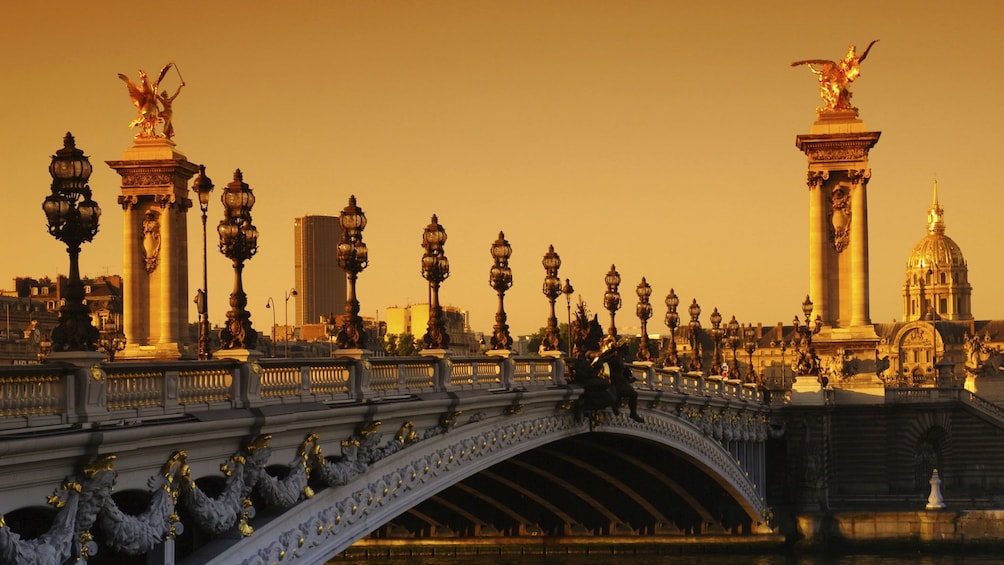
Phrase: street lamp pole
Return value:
(203, 186)
(567, 290)
(695, 330)
(672, 322)
(734, 341)
(612, 299)
(285, 329)
(716, 337)
(271, 305)
(73, 219)
(644, 312)
(551, 289)
(353, 257)
(238, 242)
(435, 269)
(500, 279)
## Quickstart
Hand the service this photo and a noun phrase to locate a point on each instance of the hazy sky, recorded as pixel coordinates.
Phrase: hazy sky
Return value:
(657, 136)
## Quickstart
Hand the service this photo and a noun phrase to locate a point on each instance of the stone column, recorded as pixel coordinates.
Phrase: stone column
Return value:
(859, 249)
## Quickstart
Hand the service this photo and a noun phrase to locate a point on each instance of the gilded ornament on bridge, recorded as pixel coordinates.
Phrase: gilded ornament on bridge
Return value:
(835, 78)
(155, 107)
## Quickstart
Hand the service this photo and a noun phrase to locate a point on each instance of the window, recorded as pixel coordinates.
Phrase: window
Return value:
(943, 278)
(943, 305)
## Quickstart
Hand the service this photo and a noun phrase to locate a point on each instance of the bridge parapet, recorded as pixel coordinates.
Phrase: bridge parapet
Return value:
(50, 395)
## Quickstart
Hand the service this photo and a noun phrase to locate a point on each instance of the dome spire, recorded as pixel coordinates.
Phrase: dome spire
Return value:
(935, 214)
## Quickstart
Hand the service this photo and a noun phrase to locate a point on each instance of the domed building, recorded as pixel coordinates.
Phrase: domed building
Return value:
(937, 284)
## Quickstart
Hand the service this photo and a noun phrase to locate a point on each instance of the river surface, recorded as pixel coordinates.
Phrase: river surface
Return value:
(702, 559)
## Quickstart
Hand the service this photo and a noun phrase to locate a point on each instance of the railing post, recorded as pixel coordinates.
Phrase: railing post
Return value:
(507, 372)
(170, 399)
(442, 372)
(248, 374)
(304, 383)
(360, 372)
(91, 392)
(558, 371)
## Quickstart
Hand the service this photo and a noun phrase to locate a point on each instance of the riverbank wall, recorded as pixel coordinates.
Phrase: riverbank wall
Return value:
(975, 529)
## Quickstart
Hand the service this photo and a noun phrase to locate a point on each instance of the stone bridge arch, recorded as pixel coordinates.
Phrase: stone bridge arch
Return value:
(317, 528)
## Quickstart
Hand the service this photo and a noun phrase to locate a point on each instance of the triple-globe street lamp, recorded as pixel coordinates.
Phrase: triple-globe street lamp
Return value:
(238, 242)
(644, 312)
(672, 322)
(203, 186)
(695, 329)
(352, 257)
(551, 289)
(733, 337)
(72, 219)
(716, 338)
(500, 279)
(612, 299)
(806, 360)
(435, 269)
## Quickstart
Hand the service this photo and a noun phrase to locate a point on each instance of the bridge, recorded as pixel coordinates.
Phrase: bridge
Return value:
(267, 460)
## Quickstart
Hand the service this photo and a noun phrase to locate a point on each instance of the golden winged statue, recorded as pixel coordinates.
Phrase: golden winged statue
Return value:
(835, 78)
(153, 107)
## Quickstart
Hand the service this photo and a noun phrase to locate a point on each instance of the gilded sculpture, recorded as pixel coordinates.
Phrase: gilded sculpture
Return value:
(835, 78)
(154, 107)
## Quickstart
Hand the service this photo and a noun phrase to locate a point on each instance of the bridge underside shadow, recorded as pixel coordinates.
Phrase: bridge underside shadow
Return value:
(590, 485)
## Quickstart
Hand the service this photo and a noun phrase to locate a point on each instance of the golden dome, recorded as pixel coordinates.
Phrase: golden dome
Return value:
(936, 251)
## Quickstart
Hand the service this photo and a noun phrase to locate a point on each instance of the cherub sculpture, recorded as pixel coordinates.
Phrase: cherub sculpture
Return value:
(835, 78)
(153, 107)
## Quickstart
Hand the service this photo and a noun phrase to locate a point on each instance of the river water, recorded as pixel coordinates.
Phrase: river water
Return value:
(904, 558)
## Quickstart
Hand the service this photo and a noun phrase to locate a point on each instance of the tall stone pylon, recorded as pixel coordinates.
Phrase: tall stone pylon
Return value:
(837, 149)
(155, 203)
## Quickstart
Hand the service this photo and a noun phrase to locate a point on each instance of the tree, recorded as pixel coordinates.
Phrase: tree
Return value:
(402, 345)
(534, 339)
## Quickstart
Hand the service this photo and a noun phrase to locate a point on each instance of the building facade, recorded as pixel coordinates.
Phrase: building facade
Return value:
(319, 281)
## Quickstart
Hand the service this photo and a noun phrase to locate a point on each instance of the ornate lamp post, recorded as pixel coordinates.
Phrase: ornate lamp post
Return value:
(695, 330)
(500, 279)
(271, 305)
(435, 269)
(73, 219)
(202, 186)
(612, 298)
(672, 322)
(285, 323)
(352, 257)
(567, 290)
(551, 289)
(716, 337)
(238, 242)
(806, 364)
(734, 339)
(644, 312)
(749, 333)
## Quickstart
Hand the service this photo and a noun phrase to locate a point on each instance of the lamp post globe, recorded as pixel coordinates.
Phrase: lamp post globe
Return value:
(72, 218)
(353, 257)
(238, 242)
(500, 279)
(612, 298)
(435, 269)
(644, 312)
(672, 322)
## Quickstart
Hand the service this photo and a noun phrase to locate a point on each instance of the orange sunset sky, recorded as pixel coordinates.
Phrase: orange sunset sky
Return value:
(657, 136)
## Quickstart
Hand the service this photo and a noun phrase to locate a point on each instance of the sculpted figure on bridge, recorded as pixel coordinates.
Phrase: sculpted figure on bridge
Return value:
(835, 78)
(599, 368)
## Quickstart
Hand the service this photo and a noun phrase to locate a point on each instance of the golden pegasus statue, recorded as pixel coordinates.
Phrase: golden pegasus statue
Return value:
(154, 107)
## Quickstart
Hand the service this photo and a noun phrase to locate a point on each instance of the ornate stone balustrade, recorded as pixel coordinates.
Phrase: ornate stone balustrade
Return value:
(53, 395)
